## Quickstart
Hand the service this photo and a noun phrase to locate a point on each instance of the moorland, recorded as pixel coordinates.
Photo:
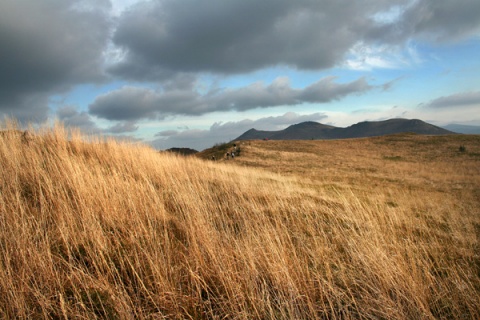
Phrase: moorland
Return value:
(374, 228)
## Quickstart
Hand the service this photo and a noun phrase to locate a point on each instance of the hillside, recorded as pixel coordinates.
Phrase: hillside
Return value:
(383, 227)
(313, 130)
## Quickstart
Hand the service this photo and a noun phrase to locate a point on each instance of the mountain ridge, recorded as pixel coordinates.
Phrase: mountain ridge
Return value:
(313, 130)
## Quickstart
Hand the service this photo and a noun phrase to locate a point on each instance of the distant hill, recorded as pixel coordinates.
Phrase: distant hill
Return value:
(314, 130)
(460, 128)
(182, 151)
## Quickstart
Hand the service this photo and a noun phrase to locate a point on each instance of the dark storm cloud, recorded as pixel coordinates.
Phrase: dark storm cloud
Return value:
(238, 36)
(130, 103)
(47, 46)
(125, 104)
(221, 132)
(28, 107)
(471, 98)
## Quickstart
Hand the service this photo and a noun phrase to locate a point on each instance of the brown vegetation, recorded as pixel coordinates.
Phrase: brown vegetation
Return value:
(370, 228)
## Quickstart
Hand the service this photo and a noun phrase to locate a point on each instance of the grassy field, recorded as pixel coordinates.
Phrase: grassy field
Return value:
(378, 228)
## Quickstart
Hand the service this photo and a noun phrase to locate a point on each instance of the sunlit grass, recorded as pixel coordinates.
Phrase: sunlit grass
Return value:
(320, 229)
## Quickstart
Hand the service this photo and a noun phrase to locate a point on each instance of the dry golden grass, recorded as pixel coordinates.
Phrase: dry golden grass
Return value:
(370, 228)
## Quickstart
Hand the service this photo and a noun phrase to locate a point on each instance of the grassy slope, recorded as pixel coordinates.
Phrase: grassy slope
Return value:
(373, 228)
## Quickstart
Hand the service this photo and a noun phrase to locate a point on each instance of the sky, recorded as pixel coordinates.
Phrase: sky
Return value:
(193, 73)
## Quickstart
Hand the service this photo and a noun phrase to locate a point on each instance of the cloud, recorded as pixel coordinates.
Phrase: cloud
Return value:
(365, 56)
(167, 133)
(223, 132)
(238, 36)
(133, 103)
(390, 84)
(128, 126)
(327, 90)
(444, 21)
(24, 107)
(432, 21)
(463, 99)
(71, 117)
(160, 38)
(125, 103)
(48, 46)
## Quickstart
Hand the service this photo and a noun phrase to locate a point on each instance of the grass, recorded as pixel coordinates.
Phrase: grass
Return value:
(289, 230)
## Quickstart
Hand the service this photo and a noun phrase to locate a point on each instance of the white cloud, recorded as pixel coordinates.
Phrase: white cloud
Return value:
(366, 57)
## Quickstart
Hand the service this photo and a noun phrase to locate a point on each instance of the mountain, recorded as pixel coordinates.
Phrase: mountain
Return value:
(460, 128)
(300, 131)
(314, 130)
(305, 130)
(254, 134)
(392, 126)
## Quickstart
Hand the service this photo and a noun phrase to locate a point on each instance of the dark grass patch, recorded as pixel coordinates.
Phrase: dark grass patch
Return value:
(393, 158)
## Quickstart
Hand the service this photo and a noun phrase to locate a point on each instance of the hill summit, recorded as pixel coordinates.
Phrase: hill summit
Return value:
(314, 130)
